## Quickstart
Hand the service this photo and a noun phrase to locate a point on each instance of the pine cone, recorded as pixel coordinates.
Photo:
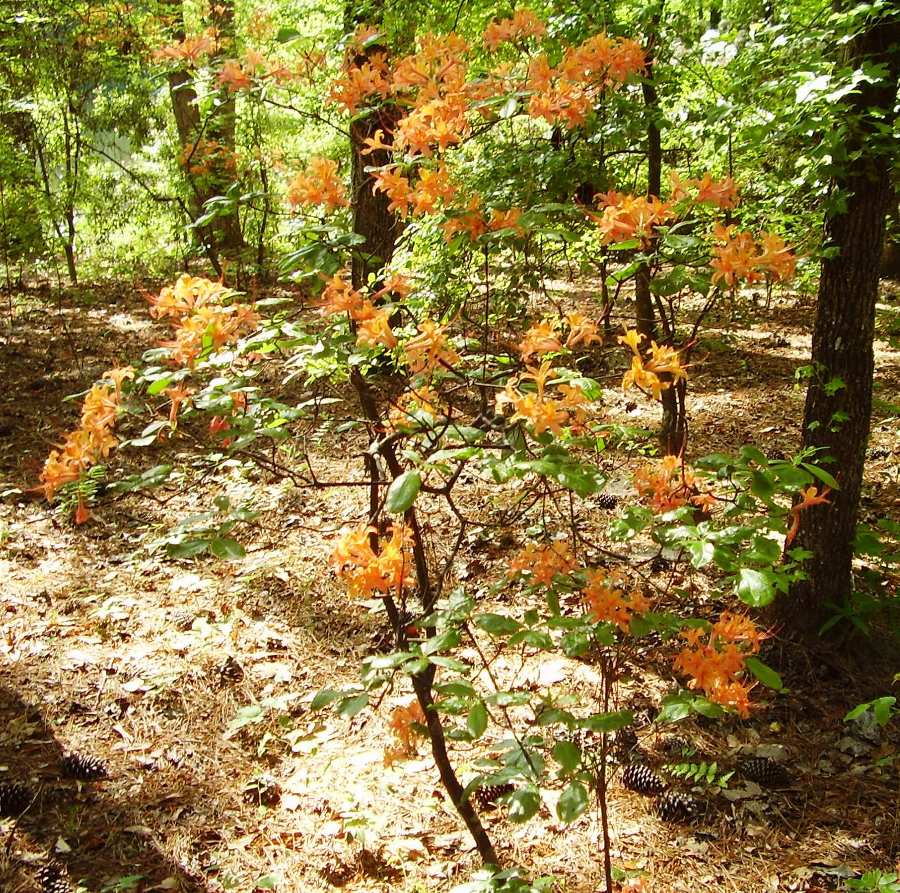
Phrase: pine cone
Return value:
(625, 745)
(678, 746)
(675, 807)
(766, 772)
(607, 501)
(659, 564)
(54, 878)
(15, 798)
(84, 768)
(262, 791)
(642, 779)
(231, 670)
(183, 620)
(487, 796)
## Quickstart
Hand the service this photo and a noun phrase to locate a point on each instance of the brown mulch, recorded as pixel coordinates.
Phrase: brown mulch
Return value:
(112, 649)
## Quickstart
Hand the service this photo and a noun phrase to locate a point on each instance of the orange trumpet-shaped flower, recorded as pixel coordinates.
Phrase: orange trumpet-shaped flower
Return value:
(541, 338)
(715, 660)
(608, 602)
(402, 724)
(366, 571)
(524, 23)
(430, 348)
(376, 330)
(396, 187)
(543, 563)
(811, 497)
(320, 185)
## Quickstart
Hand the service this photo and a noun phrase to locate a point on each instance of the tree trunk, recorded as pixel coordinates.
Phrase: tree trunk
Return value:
(222, 129)
(224, 233)
(839, 399)
(372, 218)
(69, 249)
(643, 299)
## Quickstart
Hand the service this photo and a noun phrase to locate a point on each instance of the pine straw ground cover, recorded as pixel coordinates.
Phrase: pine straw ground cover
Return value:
(191, 681)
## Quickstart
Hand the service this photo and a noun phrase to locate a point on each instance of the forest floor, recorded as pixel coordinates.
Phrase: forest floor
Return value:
(192, 678)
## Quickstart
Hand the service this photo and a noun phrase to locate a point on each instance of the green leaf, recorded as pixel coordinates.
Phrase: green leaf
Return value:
(764, 673)
(608, 722)
(497, 624)
(325, 697)
(567, 754)
(251, 714)
(509, 108)
(761, 485)
(523, 804)
(821, 474)
(754, 587)
(159, 385)
(701, 552)
(228, 549)
(349, 707)
(477, 720)
(533, 637)
(403, 492)
(187, 548)
(572, 802)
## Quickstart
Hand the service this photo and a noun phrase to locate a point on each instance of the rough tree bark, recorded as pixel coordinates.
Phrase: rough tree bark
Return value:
(645, 319)
(372, 217)
(837, 421)
(223, 235)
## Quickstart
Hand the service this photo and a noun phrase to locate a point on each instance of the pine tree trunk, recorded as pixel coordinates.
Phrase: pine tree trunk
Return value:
(839, 399)
(372, 218)
(224, 233)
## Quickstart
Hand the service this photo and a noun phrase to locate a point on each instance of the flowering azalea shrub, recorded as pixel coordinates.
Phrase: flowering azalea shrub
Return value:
(486, 419)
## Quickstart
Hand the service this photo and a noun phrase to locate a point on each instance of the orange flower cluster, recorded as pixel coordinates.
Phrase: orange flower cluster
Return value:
(630, 216)
(396, 187)
(736, 257)
(524, 23)
(669, 485)
(367, 572)
(319, 184)
(438, 69)
(429, 349)
(543, 412)
(543, 337)
(402, 724)
(567, 94)
(361, 82)
(433, 186)
(202, 314)
(190, 50)
(471, 221)
(92, 441)
(645, 372)
(716, 664)
(372, 323)
(433, 125)
(608, 602)
(234, 76)
(721, 193)
(543, 563)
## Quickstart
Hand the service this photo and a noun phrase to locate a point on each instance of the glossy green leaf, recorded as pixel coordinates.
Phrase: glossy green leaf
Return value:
(403, 492)
(573, 802)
